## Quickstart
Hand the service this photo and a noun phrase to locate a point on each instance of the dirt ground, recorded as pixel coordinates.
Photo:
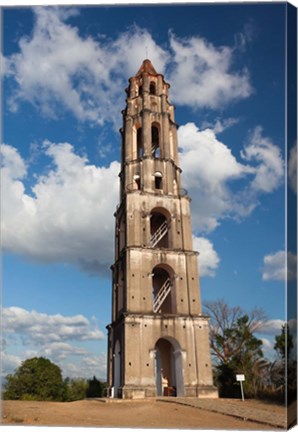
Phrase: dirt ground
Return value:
(142, 414)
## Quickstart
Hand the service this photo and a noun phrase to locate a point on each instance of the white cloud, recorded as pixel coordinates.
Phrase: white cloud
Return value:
(271, 327)
(267, 345)
(128, 52)
(210, 169)
(51, 60)
(69, 215)
(270, 167)
(292, 168)
(202, 77)
(56, 69)
(61, 350)
(13, 166)
(60, 338)
(208, 165)
(87, 368)
(220, 125)
(275, 266)
(9, 362)
(208, 259)
(83, 365)
(45, 330)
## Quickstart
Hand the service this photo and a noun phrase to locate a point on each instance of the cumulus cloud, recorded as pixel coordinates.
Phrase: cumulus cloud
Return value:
(57, 337)
(74, 362)
(61, 350)
(68, 216)
(271, 327)
(202, 76)
(52, 336)
(9, 362)
(208, 259)
(207, 166)
(270, 167)
(210, 168)
(87, 368)
(41, 328)
(275, 266)
(56, 69)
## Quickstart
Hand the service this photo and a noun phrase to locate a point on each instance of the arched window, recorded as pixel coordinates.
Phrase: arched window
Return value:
(139, 143)
(155, 141)
(137, 180)
(152, 88)
(163, 298)
(140, 90)
(160, 228)
(158, 180)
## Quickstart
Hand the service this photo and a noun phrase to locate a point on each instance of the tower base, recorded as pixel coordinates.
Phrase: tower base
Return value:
(138, 392)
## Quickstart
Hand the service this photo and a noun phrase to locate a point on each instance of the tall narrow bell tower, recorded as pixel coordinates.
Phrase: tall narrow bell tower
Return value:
(158, 338)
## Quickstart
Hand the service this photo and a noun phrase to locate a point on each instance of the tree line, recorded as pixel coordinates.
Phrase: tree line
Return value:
(40, 379)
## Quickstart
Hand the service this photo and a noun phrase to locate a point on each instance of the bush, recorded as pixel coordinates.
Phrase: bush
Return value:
(95, 388)
(75, 389)
(36, 379)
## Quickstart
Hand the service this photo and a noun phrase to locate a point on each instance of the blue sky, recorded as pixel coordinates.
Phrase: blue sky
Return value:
(64, 74)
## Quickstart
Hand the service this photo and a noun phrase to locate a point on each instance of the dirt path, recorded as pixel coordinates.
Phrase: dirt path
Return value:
(142, 414)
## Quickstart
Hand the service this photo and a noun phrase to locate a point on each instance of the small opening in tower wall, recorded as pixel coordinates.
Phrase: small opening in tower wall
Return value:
(158, 180)
(137, 181)
(152, 88)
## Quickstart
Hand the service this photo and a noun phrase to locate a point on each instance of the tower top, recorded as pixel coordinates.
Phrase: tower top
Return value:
(146, 67)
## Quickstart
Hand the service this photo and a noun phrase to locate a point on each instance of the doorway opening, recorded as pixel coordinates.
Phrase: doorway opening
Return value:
(168, 368)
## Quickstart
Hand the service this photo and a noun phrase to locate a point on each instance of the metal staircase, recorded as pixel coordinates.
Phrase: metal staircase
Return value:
(159, 234)
(154, 148)
(162, 295)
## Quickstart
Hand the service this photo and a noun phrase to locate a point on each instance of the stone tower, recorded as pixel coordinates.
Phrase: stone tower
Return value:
(158, 339)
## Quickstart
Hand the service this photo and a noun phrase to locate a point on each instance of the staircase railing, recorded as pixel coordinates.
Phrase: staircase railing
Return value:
(159, 234)
(162, 295)
(154, 147)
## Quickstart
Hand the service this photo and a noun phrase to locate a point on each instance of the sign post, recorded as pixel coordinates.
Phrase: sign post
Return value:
(241, 378)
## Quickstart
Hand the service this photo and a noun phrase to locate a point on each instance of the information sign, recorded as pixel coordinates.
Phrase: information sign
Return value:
(240, 377)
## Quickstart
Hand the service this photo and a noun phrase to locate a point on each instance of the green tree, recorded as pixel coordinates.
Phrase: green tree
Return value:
(76, 389)
(284, 342)
(225, 340)
(95, 388)
(283, 371)
(36, 379)
(235, 348)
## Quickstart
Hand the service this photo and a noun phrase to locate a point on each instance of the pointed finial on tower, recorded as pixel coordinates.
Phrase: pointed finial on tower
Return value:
(146, 67)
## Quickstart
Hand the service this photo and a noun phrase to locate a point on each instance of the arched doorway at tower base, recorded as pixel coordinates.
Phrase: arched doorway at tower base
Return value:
(168, 368)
